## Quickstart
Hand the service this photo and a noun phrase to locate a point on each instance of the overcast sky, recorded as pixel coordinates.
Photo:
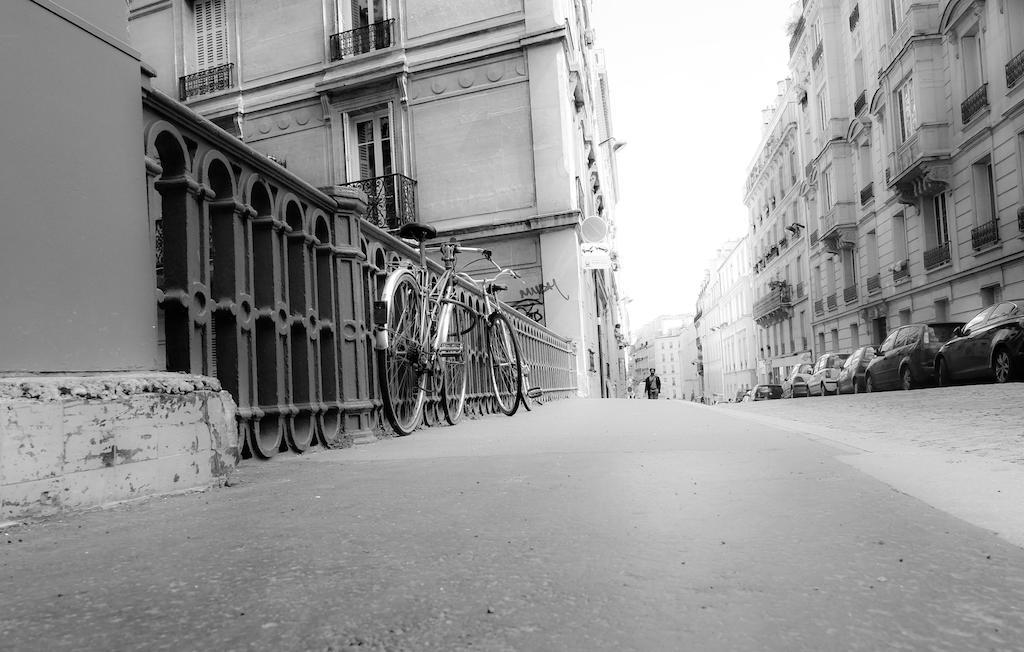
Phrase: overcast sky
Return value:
(688, 81)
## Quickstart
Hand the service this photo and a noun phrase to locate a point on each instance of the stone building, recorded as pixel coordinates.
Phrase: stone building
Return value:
(778, 230)
(725, 325)
(490, 122)
(913, 112)
(667, 344)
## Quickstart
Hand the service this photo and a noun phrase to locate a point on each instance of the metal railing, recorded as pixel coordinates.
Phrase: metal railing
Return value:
(874, 283)
(854, 17)
(1014, 70)
(831, 302)
(819, 308)
(390, 200)
(772, 303)
(376, 36)
(974, 103)
(850, 294)
(813, 238)
(985, 234)
(798, 31)
(1020, 219)
(936, 256)
(901, 273)
(207, 81)
(818, 51)
(860, 103)
(867, 193)
(268, 284)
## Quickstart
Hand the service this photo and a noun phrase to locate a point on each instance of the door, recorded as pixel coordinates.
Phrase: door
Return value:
(973, 355)
(883, 369)
(369, 24)
(375, 165)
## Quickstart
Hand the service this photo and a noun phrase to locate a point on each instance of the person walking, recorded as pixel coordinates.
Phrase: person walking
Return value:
(652, 385)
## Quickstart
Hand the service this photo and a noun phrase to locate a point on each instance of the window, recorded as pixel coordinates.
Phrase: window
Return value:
(821, 341)
(895, 13)
(991, 295)
(211, 34)
(889, 342)
(899, 237)
(854, 336)
(973, 59)
(906, 114)
(941, 227)
(942, 310)
(373, 144)
(823, 111)
(904, 317)
(835, 339)
(826, 185)
(980, 318)
(984, 191)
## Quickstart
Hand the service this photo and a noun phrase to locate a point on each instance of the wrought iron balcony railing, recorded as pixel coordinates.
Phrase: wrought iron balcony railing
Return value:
(986, 234)
(831, 302)
(798, 31)
(867, 193)
(860, 103)
(390, 200)
(936, 256)
(376, 36)
(819, 309)
(854, 17)
(814, 237)
(771, 308)
(1014, 70)
(850, 294)
(816, 57)
(974, 103)
(1020, 219)
(874, 283)
(207, 81)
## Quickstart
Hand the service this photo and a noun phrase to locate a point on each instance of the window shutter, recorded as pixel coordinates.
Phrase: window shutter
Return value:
(211, 34)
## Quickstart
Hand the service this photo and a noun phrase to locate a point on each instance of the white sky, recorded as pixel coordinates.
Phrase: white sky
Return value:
(688, 81)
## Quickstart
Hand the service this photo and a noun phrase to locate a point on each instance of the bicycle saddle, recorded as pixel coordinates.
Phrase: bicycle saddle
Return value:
(417, 231)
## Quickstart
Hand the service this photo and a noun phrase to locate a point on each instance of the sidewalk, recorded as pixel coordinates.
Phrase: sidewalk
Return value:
(960, 449)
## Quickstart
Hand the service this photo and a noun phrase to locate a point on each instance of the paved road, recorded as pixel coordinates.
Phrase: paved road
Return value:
(585, 525)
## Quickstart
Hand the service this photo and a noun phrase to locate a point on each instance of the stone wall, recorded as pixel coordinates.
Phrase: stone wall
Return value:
(74, 442)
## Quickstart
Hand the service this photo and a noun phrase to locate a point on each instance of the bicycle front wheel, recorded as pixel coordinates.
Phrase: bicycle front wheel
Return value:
(505, 363)
(452, 356)
(402, 365)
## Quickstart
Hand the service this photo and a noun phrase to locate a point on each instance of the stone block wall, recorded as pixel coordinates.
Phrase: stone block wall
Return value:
(74, 442)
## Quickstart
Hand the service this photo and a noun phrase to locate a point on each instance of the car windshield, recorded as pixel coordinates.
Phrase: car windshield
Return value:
(980, 317)
(803, 369)
(941, 332)
(836, 361)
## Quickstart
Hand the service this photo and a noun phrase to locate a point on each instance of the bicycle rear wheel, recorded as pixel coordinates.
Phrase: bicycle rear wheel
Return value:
(402, 364)
(505, 363)
(452, 356)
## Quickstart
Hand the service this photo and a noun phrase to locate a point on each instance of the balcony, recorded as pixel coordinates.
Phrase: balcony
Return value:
(901, 272)
(390, 200)
(207, 81)
(819, 309)
(783, 243)
(813, 238)
(860, 103)
(831, 302)
(818, 51)
(974, 103)
(920, 166)
(376, 36)
(936, 256)
(867, 193)
(874, 283)
(775, 306)
(854, 17)
(1014, 70)
(850, 294)
(798, 31)
(985, 235)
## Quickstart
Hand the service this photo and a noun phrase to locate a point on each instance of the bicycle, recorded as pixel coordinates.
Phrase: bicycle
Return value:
(418, 336)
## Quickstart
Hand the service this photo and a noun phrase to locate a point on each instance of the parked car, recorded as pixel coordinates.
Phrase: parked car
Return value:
(906, 358)
(748, 396)
(740, 393)
(766, 392)
(796, 384)
(825, 378)
(851, 376)
(989, 346)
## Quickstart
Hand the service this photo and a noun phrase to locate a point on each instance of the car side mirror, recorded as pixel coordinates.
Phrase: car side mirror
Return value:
(958, 331)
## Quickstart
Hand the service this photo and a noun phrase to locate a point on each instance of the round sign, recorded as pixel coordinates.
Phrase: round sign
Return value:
(594, 229)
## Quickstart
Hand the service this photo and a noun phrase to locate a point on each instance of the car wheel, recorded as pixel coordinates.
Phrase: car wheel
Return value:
(869, 385)
(906, 379)
(1001, 366)
(823, 390)
(942, 373)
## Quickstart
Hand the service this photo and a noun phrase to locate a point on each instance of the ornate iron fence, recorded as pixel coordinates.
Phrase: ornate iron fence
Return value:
(376, 36)
(831, 302)
(267, 284)
(985, 234)
(901, 272)
(1014, 70)
(860, 103)
(974, 103)
(936, 256)
(816, 56)
(854, 19)
(390, 200)
(850, 294)
(819, 309)
(206, 81)
(874, 283)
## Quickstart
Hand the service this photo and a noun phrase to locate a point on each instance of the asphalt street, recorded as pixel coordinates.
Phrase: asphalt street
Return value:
(584, 525)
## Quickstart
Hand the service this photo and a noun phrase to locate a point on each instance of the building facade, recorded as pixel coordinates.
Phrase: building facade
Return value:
(491, 123)
(725, 325)
(668, 345)
(778, 237)
(914, 116)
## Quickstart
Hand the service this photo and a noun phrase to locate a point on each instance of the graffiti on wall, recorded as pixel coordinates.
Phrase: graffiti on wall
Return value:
(531, 299)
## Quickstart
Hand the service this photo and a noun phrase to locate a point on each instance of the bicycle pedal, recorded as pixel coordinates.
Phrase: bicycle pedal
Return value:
(450, 350)
(535, 392)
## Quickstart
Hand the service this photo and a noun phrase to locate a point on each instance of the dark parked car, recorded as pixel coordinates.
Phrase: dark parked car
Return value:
(851, 376)
(766, 392)
(906, 358)
(990, 346)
